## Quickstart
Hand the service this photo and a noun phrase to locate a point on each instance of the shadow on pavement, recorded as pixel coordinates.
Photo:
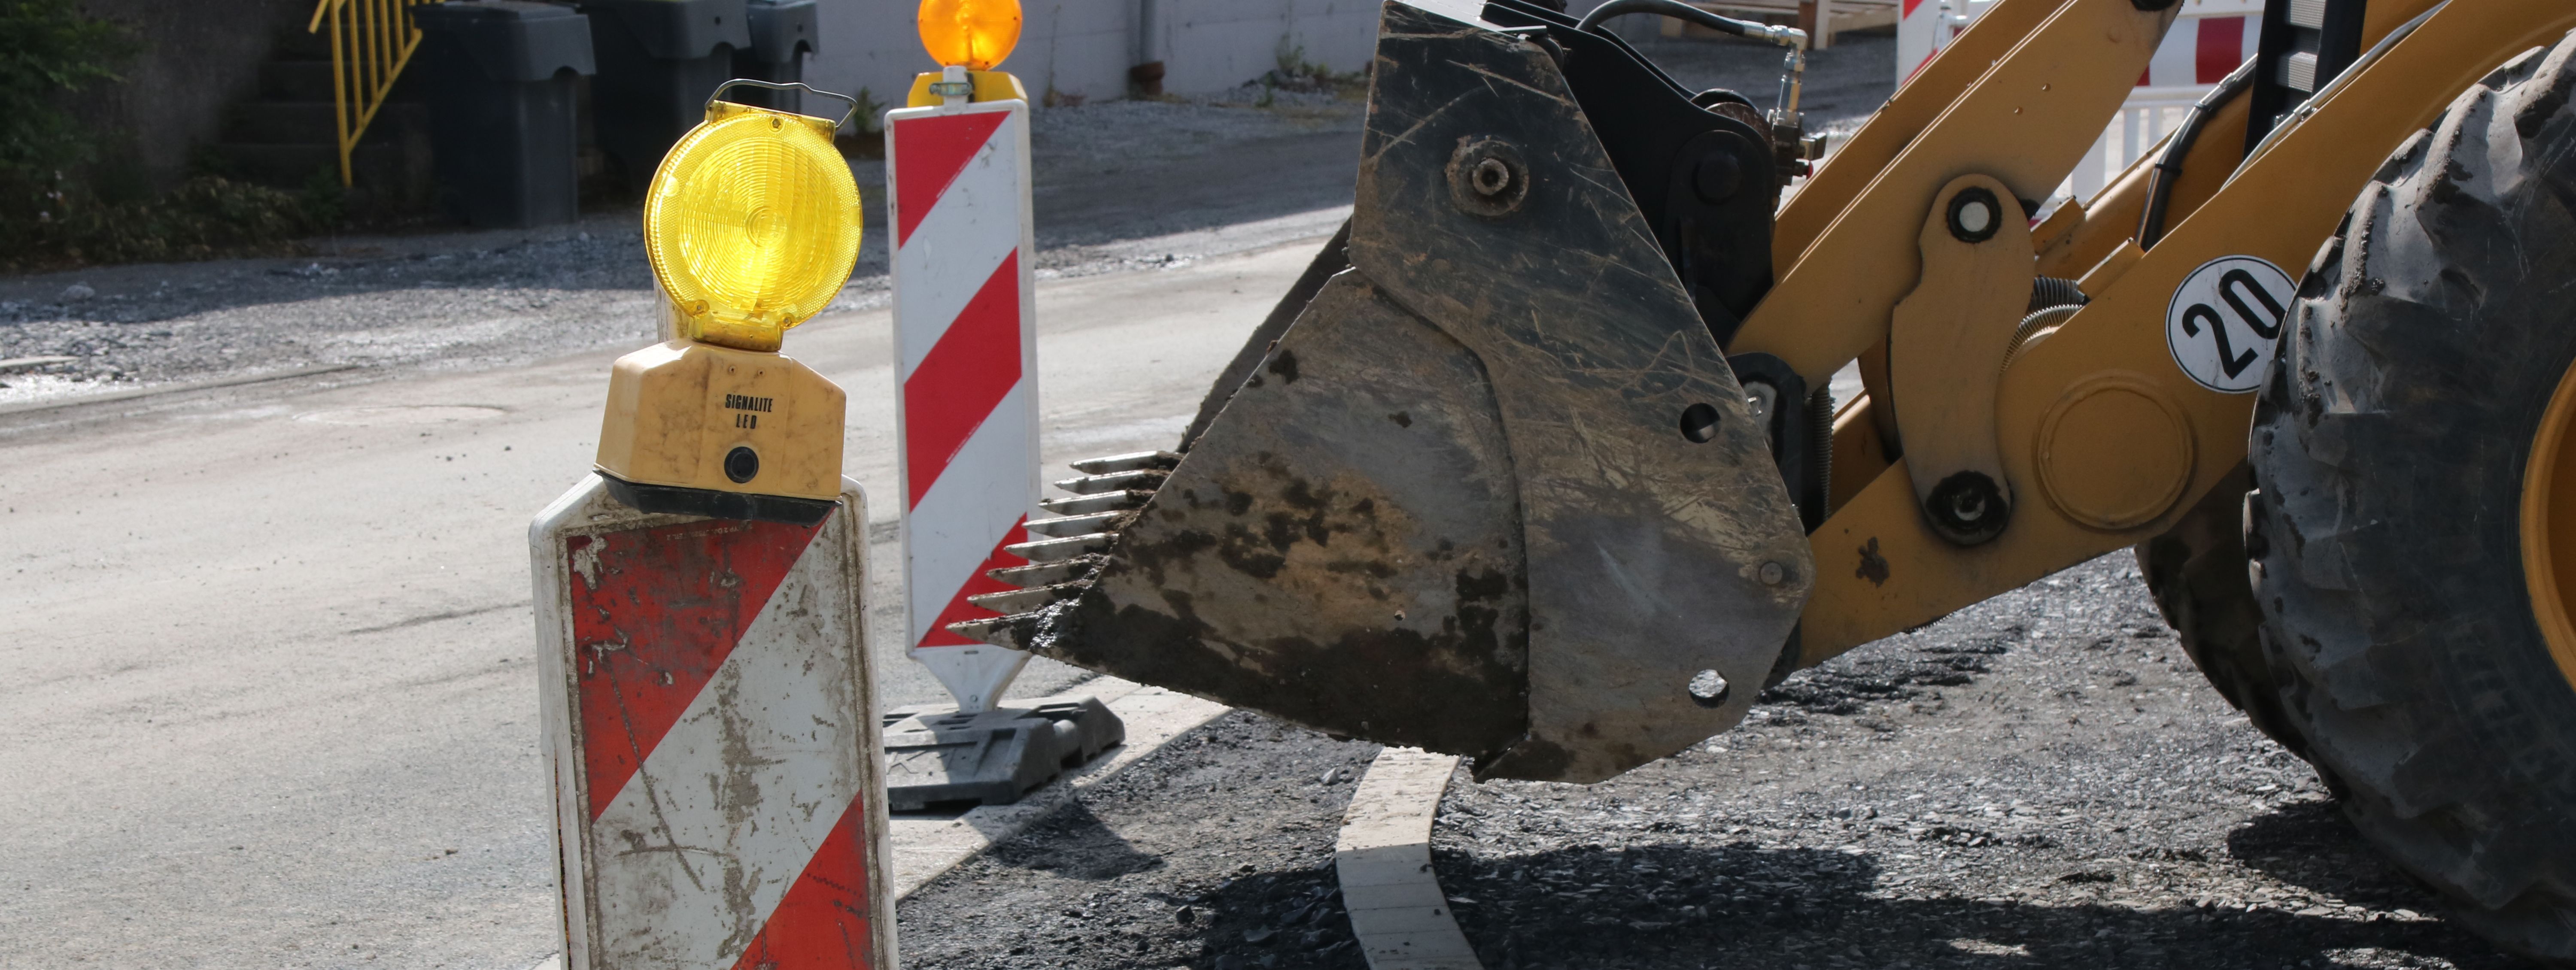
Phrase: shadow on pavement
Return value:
(1741, 906)
(1074, 843)
(2312, 846)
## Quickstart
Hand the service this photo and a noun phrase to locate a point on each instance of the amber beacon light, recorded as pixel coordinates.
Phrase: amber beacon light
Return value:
(972, 34)
(751, 225)
(967, 38)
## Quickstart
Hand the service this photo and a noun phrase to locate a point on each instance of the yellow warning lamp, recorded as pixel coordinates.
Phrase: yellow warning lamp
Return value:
(752, 225)
(967, 38)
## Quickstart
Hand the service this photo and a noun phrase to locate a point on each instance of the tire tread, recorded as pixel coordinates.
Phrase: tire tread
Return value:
(2387, 447)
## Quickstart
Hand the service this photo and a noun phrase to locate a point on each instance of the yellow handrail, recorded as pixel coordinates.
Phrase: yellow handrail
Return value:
(371, 40)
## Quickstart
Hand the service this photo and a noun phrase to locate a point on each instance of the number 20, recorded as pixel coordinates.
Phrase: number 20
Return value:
(2233, 287)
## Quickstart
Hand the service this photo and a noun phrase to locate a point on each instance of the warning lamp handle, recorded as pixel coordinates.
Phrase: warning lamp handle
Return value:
(788, 86)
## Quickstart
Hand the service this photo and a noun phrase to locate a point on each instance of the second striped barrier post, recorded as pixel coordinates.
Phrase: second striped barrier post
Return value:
(965, 340)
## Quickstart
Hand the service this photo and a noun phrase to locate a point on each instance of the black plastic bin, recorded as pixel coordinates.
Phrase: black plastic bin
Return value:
(658, 62)
(782, 33)
(502, 78)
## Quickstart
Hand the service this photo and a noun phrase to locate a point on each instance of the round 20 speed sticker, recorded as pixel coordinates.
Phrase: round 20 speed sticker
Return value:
(2223, 320)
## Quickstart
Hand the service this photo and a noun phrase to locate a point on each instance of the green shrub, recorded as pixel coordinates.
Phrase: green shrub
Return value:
(205, 217)
(48, 51)
(52, 212)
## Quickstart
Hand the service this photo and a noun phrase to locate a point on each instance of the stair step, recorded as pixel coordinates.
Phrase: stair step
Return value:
(311, 122)
(279, 164)
(291, 166)
(282, 123)
(295, 81)
(297, 45)
(290, 79)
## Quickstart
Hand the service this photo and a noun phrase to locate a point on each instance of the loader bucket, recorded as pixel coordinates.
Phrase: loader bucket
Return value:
(1492, 491)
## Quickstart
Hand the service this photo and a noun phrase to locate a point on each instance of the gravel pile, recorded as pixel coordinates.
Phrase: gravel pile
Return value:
(1216, 852)
(472, 307)
(2042, 780)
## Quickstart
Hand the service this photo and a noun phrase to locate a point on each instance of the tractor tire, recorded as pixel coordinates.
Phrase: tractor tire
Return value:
(2389, 447)
(2196, 571)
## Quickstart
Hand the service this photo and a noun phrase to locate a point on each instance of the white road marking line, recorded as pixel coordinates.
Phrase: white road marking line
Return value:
(1383, 857)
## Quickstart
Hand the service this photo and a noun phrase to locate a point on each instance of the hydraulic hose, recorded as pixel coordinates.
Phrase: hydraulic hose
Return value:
(2168, 168)
(1683, 11)
(1820, 454)
(1791, 73)
(2049, 291)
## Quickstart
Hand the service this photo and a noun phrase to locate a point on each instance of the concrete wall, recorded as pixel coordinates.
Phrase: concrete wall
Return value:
(1083, 48)
(194, 59)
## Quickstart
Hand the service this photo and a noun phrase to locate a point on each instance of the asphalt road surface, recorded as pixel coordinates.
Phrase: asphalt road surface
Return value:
(271, 699)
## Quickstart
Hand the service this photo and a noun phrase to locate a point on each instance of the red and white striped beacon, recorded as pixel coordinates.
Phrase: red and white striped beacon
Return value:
(711, 731)
(965, 341)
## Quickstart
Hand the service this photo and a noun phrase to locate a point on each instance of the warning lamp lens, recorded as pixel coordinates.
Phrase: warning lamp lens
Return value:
(973, 34)
(752, 225)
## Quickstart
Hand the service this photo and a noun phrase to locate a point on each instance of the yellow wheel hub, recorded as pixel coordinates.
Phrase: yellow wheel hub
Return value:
(2549, 526)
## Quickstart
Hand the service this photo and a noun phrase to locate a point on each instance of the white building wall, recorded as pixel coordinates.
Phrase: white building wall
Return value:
(1211, 45)
(1083, 48)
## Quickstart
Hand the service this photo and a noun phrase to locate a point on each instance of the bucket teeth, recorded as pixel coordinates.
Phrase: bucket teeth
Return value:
(1063, 564)
(1054, 550)
(998, 631)
(1026, 600)
(1047, 573)
(1161, 461)
(1145, 479)
(1101, 502)
(1078, 525)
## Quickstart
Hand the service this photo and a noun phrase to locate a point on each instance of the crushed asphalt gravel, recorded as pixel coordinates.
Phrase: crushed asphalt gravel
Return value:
(2042, 780)
(1216, 851)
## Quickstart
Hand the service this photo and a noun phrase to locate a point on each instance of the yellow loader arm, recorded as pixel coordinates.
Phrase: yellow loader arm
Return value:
(1536, 463)
(2103, 438)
